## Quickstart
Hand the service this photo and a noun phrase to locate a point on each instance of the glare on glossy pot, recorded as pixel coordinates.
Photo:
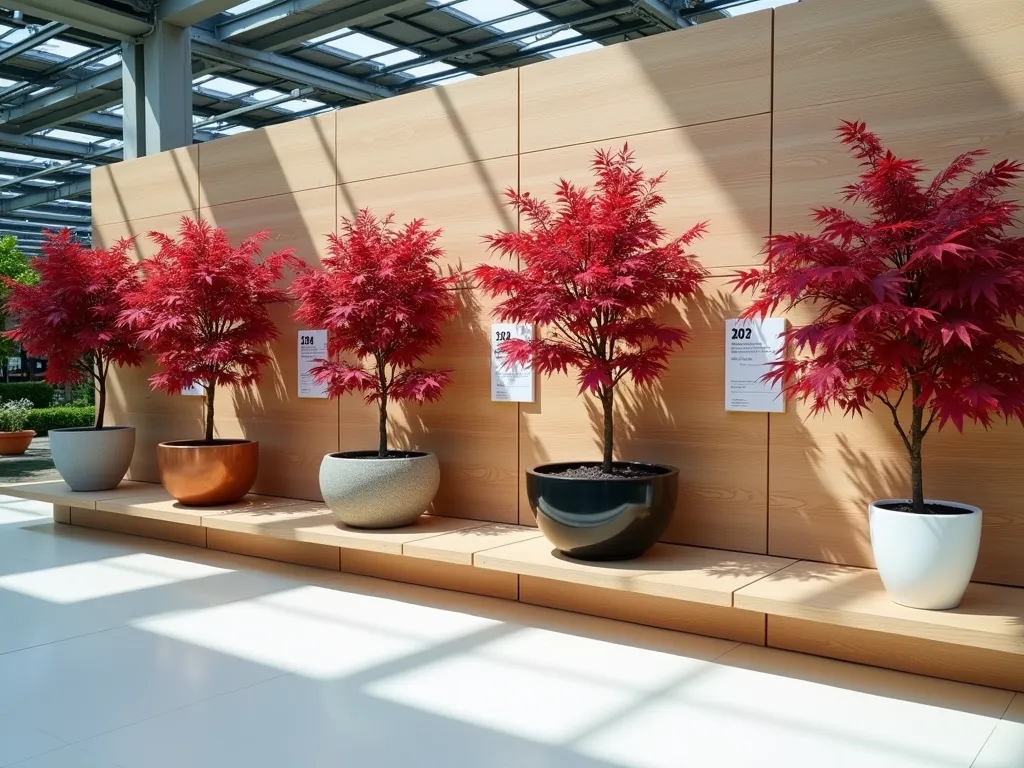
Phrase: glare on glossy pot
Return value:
(203, 474)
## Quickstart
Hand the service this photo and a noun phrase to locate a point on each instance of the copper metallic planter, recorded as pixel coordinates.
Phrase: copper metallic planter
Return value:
(203, 474)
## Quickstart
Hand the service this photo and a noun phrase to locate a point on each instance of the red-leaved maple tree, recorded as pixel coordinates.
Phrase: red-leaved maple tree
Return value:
(202, 308)
(915, 301)
(383, 299)
(594, 270)
(70, 315)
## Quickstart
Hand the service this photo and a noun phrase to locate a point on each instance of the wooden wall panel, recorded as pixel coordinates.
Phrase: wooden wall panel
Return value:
(146, 187)
(934, 78)
(722, 457)
(289, 157)
(717, 173)
(702, 74)
(294, 433)
(450, 125)
(465, 201)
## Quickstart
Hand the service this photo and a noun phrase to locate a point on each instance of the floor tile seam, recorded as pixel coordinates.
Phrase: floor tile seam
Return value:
(187, 705)
(36, 756)
(63, 640)
(988, 738)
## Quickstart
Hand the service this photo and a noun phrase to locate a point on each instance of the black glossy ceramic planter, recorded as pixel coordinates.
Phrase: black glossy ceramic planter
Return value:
(614, 519)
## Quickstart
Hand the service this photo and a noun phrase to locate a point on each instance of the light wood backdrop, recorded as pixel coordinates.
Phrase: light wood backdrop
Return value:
(741, 113)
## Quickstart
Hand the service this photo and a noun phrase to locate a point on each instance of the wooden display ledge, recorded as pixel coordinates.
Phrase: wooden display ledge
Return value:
(827, 610)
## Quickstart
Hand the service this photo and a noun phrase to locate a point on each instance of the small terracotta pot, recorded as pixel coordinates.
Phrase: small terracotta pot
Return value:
(15, 443)
(204, 474)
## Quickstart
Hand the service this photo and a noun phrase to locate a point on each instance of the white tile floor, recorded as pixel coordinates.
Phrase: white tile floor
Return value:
(128, 652)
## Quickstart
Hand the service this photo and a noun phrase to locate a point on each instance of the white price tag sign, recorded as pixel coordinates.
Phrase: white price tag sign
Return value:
(195, 390)
(312, 346)
(510, 384)
(751, 346)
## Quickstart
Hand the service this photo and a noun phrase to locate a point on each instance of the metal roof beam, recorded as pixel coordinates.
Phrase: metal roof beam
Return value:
(264, 27)
(60, 218)
(44, 146)
(665, 13)
(49, 31)
(85, 15)
(44, 196)
(185, 13)
(83, 90)
(209, 47)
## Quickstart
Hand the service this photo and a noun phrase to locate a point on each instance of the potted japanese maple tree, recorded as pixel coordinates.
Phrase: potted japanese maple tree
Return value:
(594, 269)
(914, 302)
(383, 300)
(69, 316)
(202, 307)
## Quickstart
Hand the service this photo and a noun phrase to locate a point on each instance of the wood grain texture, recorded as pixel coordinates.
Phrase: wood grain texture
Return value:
(317, 524)
(298, 552)
(294, 433)
(460, 578)
(61, 513)
(722, 457)
(137, 230)
(990, 617)
(289, 157)
(460, 547)
(192, 535)
(167, 183)
(58, 493)
(449, 125)
(698, 618)
(921, 656)
(157, 504)
(828, 50)
(681, 573)
(465, 201)
(718, 173)
(640, 86)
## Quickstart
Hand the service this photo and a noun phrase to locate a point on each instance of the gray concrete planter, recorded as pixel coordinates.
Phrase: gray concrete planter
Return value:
(369, 492)
(92, 459)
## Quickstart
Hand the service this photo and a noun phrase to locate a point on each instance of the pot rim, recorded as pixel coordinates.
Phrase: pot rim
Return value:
(217, 443)
(971, 509)
(364, 455)
(19, 433)
(669, 470)
(112, 428)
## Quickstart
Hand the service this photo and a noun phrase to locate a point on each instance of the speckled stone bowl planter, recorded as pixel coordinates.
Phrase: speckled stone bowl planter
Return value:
(369, 492)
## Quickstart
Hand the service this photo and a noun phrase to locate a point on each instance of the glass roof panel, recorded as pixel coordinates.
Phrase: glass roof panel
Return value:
(757, 5)
(248, 5)
(488, 10)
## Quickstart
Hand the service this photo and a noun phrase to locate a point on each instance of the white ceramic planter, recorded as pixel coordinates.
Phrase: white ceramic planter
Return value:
(925, 561)
(92, 459)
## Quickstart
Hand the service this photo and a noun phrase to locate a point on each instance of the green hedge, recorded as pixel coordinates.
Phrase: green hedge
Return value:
(39, 392)
(42, 420)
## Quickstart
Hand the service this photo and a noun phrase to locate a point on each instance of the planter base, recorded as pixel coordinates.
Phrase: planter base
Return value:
(202, 474)
(925, 561)
(603, 519)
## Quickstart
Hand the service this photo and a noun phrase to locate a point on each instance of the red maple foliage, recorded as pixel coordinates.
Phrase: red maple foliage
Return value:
(382, 298)
(202, 308)
(70, 315)
(915, 302)
(594, 269)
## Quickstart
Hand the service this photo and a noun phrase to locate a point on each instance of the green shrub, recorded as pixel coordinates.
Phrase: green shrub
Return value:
(14, 414)
(42, 420)
(39, 392)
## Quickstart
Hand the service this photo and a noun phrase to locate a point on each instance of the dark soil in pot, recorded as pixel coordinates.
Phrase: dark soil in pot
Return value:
(930, 508)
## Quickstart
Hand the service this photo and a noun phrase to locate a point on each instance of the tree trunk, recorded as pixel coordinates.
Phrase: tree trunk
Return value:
(608, 405)
(382, 449)
(210, 393)
(916, 437)
(101, 401)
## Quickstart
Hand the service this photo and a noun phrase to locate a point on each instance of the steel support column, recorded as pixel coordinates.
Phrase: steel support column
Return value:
(168, 88)
(133, 87)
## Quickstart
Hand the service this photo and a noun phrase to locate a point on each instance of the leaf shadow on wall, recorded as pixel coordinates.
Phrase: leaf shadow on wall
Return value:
(473, 438)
